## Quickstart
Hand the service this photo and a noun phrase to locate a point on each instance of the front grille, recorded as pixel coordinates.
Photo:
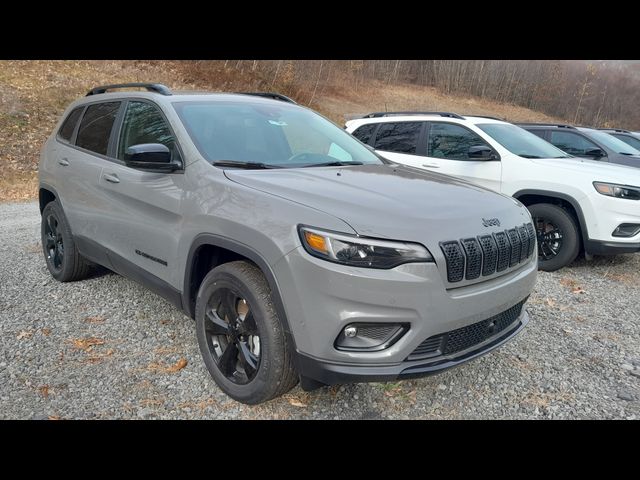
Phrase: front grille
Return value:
(470, 258)
(463, 338)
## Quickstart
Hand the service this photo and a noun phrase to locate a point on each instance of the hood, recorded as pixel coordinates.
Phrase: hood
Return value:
(597, 171)
(391, 201)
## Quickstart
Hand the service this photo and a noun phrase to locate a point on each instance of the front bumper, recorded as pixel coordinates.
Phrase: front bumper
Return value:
(602, 215)
(598, 247)
(328, 373)
(321, 298)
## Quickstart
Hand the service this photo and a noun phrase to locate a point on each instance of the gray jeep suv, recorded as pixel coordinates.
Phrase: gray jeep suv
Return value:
(301, 254)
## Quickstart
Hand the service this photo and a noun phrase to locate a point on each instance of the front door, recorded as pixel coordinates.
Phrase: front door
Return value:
(142, 218)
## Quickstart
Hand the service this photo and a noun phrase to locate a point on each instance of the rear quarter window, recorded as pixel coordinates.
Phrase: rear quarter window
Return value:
(69, 125)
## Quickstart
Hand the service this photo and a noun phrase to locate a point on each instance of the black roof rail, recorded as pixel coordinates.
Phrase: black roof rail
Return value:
(617, 130)
(151, 87)
(390, 114)
(274, 96)
(483, 116)
(533, 124)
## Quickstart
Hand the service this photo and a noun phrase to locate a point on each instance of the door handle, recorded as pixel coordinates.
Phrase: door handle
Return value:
(111, 177)
(430, 165)
(64, 162)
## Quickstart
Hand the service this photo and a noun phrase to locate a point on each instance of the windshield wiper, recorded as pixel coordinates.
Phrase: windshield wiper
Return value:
(627, 153)
(245, 165)
(337, 163)
(524, 155)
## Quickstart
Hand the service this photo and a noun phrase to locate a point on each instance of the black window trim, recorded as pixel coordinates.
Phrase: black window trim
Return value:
(115, 130)
(428, 133)
(421, 133)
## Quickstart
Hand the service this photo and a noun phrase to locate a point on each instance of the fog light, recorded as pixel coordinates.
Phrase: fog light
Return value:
(370, 336)
(350, 332)
(626, 230)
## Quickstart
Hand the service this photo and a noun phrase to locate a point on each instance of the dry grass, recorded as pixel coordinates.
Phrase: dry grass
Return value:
(33, 95)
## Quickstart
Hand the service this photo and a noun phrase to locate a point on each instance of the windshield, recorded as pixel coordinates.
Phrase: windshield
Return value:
(271, 135)
(629, 140)
(612, 142)
(521, 142)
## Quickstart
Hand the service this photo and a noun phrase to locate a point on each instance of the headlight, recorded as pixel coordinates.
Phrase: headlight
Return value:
(361, 252)
(618, 191)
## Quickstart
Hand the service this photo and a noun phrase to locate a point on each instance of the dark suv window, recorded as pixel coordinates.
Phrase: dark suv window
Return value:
(364, 132)
(143, 123)
(628, 139)
(571, 143)
(451, 142)
(69, 125)
(400, 137)
(95, 127)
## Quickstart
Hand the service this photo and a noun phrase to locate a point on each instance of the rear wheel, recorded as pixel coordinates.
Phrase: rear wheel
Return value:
(64, 261)
(558, 236)
(240, 335)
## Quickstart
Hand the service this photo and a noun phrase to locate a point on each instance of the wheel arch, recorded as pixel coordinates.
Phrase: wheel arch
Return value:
(46, 195)
(230, 250)
(532, 196)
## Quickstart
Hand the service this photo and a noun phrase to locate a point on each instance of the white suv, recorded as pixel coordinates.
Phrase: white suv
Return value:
(577, 204)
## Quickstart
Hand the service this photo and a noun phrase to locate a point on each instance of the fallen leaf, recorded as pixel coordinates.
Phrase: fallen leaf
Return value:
(86, 344)
(578, 290)
(179, 365)
(551, 303)
(44, 391)
(46, 331)
(297, 403)
(24, 334)
(95, 319)
(54, 417)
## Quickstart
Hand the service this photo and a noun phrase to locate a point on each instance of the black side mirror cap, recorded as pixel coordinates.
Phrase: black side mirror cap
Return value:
(150, 156)
(595, 152)
(482, 152)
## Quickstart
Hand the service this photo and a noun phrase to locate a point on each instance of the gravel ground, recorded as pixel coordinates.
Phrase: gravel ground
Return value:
(107, 348)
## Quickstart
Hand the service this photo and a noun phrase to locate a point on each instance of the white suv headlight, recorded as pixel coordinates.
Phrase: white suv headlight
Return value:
(618, 191)
(360, 252)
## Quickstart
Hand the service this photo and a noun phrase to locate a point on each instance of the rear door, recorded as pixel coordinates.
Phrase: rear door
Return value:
(80, 164)
(400, 142)
(141, 217)
(447, 151)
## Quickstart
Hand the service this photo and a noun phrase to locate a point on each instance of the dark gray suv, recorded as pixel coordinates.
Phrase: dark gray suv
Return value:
(586, 143)
(301, 254)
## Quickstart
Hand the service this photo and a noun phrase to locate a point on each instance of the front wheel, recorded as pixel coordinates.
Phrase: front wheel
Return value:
(558, 236)
(241, 338)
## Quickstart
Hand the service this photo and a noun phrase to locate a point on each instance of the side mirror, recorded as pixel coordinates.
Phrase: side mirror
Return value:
(481, 152)
(595, 153)
(150, 156)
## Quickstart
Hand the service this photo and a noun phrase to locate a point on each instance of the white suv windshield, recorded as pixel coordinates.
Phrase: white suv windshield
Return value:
(612, 142)
(521, 142)
(272, 135)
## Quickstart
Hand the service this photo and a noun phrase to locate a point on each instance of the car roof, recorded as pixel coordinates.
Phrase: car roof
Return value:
(422, 117)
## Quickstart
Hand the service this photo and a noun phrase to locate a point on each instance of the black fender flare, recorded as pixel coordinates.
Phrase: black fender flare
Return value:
(561, 196)
(44, 186)
(240, 249)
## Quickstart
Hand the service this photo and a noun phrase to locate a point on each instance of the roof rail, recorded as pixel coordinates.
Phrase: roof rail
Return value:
(483, 116)
(617, 130)
(533, 124)
(151, 87)
(274, 96)
(390, 114)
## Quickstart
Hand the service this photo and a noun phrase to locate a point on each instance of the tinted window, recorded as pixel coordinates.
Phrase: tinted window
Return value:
(69, 125)
(143, 123)
(609, 141)
(571, 143)
(452, 142)
(96, 125)
(401, 137)
(364, 132)
(629, 140)
(538, 133)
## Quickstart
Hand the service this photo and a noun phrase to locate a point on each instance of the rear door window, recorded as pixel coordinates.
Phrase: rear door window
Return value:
(96, 125)
(398, 137)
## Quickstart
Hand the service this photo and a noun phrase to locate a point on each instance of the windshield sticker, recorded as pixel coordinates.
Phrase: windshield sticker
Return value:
(279, 123)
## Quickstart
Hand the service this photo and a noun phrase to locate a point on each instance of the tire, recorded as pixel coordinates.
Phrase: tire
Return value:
(224, 289)
(555, 216)
(64, 261)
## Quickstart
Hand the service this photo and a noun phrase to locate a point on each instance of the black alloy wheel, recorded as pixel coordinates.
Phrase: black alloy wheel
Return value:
(54, 243)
